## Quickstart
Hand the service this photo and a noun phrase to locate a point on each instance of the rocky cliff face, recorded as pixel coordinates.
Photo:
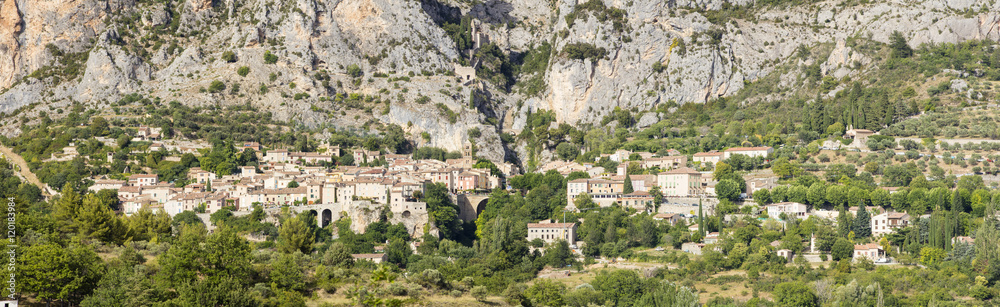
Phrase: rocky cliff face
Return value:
(174, 49)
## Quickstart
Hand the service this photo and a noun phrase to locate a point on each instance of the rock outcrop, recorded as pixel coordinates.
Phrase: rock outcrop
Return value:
(406, 56)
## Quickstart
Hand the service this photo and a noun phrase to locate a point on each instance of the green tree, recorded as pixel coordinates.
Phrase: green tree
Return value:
(794, 294)
(817, 194)
(287, 274)
(567, 151)
(338, 256)
(628, 185)
(657, 195)
(546, 292)
(442, 211)
(186, 218)
(123, 141)
(900, 49)
(842, 249)
(99, 126)
(292, 184)
(398, 252)
(226, 255)
(621, 287)
(583, 201)
(762, 196)
(844, 221)
(728, 189)
(559, 255)
(295, 235)
(347, 159)
(666, 293)
(98, 221)
(862, 223)
(53, 273)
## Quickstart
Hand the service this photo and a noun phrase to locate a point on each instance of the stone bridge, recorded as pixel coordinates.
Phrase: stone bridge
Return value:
(470, 205)
(325, 213)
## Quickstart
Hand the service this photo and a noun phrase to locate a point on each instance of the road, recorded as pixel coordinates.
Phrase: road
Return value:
(23, 170)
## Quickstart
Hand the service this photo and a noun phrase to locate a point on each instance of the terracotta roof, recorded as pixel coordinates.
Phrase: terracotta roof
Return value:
(867, 246)
(128, 189)
(897, 215)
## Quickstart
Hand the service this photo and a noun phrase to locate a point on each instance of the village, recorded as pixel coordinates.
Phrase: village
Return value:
(671, 188)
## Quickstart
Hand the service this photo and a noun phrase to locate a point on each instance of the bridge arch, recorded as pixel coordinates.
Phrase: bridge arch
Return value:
(471, 205)
(325, 218)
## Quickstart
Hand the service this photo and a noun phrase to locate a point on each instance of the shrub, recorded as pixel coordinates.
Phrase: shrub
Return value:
(479, 293)
(580, 51)
(229, 56)
(658, 67)
(243, 71)
(354, 71)
(217, 86)
(270, 58)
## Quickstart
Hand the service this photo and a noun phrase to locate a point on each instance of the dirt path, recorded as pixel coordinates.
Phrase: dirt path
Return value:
(22, 168)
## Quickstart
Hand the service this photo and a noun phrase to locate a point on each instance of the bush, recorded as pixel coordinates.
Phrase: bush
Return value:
(243, 71)
(475, 133)
(580, 51)
(229, 56)
(479, 293)
(354, 71)
(270, 58)
(217, 86)
(658, 67)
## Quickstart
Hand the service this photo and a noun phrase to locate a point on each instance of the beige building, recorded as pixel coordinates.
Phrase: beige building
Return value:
(143, 180)
(670, 162)
(672, 218)
(550, 232)
(376, 258)
(704, 157)
(870, 251)
(680, 182)
(602, 191)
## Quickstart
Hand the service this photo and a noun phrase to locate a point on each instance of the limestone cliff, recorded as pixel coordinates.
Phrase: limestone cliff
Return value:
(53, 53)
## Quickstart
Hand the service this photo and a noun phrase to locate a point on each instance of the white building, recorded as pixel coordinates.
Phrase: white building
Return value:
(887, 222)
(752, 152)
(790, 209)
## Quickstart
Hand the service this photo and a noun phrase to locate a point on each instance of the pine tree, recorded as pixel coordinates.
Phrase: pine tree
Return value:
(628, 185)
(862, 223)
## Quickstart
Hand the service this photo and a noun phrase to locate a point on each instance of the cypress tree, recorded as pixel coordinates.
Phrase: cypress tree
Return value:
(701, 220)
(843, 223)
(628, 185)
